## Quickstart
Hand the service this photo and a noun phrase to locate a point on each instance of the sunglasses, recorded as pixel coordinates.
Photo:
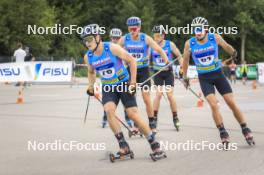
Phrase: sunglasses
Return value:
(133, 29)
(115, 38)
(88, 39)
(198, 29)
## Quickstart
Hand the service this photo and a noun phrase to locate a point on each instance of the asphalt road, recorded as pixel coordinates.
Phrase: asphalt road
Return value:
(54, 114)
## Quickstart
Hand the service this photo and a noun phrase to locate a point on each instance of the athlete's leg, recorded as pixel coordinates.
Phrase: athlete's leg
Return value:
(225, 90)
(230, 101)
(156, 102)
(131, 108)
(173, 107)
(110, 101)
(134, 116)
(147, 101)
(159, 82)
(143, 75)
(110, 108)
(128, 121)
(171, 99)
(212, 101)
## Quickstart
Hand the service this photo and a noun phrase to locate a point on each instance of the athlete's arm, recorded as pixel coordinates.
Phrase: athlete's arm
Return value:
(157, 48)
(124, 55)
(227, 47)
(90, 74)
(226, 61)
(176, 52)
(186, 58)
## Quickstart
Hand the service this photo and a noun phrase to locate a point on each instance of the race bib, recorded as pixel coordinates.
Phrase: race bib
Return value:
(138, 56)
(207, 60)
(160, 62)
(107, 73)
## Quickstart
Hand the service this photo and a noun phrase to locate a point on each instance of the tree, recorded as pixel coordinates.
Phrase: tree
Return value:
(14, 20)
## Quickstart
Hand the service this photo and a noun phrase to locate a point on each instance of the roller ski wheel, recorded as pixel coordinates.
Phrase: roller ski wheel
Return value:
(225, 139)
(248, 136)
(121, 156)
(225, 143)
(176, 124)
(158, 155)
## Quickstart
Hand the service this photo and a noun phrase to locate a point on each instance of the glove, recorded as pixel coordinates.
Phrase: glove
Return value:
(90, 91)
(186, 82)
(132, 89)
(234, 56)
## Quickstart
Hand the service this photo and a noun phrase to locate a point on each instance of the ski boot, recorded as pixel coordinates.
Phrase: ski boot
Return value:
(124, 153)
(153, 126)
(248, 136)
(176, 123)
(225, 139)
(157, 153)
(129, 123)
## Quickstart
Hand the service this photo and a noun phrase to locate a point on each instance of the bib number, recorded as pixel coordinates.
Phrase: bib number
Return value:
(160, 62)
(205, 61)
(107, 73)
(138, 56)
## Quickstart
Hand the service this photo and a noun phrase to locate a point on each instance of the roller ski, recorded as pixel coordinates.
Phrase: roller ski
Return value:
(134, 132)
(124, 153)
(225, 139)
(248, 136)
(176, 124)
(157, 153)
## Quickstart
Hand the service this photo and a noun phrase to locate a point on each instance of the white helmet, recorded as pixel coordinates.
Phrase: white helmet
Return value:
(91, 29)
(199, 21)
(115, 32)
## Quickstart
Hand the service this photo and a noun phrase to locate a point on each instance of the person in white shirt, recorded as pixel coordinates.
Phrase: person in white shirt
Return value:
(20, 54)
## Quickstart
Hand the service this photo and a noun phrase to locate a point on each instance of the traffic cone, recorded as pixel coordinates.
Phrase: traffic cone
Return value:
(199, 103)
(254, 84)
(20, 98)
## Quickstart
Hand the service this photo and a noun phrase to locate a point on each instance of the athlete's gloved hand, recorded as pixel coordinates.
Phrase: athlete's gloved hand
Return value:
(234, 56)
(132, 88)
(167, 62)
(90, 91)
(186, 82)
